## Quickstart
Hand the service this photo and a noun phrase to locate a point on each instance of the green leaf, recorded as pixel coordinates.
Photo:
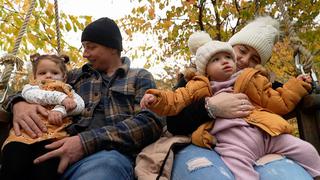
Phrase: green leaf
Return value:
(68, 26)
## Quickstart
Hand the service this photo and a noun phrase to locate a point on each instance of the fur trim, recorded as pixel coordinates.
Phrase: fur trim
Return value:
(189, 73)
(263, 71)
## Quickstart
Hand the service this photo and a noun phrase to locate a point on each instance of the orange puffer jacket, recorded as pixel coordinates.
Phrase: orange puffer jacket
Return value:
(269, 104)
(170, 103)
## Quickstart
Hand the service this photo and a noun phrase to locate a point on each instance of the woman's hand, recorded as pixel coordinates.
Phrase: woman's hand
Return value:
(229, 105)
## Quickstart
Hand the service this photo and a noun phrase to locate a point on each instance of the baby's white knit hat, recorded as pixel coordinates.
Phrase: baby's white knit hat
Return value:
(206, 51)
(198, 39)
(261, 34)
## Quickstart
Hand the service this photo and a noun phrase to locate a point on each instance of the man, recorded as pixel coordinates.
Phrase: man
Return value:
(112, 130)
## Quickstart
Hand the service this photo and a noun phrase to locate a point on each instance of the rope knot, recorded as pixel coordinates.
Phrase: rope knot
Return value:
(12, 59)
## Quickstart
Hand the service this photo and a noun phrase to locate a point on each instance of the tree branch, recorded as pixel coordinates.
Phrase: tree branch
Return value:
(200, 16)
(218, 20)
(238, 20)
(257, 7)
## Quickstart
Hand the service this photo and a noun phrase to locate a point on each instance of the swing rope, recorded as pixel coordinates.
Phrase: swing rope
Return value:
(11, 59)
(304, 65)
(296, 42)
(56, 17)
(23, 28)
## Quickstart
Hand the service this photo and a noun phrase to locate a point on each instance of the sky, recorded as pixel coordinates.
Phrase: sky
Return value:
(97, 8)
(114, 9)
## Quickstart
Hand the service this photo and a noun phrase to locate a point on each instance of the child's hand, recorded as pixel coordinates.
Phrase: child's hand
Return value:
(55, 117)
(69, 103)
(305, 78)
(147, 100)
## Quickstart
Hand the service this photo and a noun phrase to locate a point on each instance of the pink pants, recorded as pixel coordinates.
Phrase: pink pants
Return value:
(241, 146)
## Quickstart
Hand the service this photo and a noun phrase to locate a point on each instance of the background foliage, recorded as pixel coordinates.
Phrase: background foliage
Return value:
(171, 23)
(163, 27)
(40, 35)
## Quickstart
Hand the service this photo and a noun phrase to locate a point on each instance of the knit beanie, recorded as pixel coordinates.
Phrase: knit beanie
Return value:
(103, 31)
(206, 51)
(198, 39)
(261, 34)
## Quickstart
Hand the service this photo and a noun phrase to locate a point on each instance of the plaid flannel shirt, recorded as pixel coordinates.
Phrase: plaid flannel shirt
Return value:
(127, 128)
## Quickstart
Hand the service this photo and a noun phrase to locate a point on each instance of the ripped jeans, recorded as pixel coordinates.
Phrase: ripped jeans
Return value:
(195, 163)
(101, 165)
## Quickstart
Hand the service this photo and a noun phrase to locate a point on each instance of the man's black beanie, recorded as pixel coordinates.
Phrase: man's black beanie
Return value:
(103, 31)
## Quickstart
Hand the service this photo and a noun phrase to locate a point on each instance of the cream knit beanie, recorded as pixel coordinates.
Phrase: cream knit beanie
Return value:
(198, 39)
(261, 34)
(205, 53)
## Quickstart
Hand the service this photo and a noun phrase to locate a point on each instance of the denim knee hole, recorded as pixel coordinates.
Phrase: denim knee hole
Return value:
(198, 163)
(202, 162)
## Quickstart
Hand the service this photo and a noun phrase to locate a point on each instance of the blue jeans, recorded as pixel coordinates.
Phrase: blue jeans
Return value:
(102, 165)
(195, 163)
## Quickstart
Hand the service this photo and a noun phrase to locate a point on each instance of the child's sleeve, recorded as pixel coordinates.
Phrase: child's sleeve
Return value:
(170, 103)
(80, 104)
(280, 101)
(33, 94)
(60, 108)
(77, 110)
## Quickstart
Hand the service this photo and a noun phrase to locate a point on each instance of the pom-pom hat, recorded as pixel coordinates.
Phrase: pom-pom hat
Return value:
(261, 34)
(198, 39)
(205, 53)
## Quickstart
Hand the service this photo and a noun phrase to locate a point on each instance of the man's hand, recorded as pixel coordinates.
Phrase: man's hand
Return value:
(69, 150)
(228, 105)
(55, 117)
(26, 116)
(69, 104)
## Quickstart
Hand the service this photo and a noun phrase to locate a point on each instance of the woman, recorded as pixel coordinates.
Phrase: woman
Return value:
(253, 45)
